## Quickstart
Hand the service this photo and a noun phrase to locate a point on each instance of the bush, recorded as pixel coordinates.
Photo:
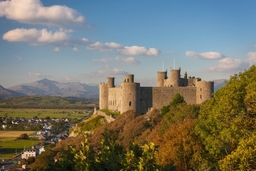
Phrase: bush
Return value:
(23, 136)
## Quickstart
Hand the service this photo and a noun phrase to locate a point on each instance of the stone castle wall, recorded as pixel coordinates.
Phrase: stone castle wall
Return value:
(157, 97)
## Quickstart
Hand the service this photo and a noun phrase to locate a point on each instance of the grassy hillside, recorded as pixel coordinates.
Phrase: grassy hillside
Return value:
(47, 102)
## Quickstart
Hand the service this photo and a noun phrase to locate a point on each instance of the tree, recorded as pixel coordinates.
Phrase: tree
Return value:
(242, 158)
(23, 136)
(177, 99)
(229, 116)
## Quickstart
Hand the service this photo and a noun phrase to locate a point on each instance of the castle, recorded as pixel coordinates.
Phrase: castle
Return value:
(131, 96)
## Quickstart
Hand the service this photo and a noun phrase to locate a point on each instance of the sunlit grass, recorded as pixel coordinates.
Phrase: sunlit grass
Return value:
(10, 146)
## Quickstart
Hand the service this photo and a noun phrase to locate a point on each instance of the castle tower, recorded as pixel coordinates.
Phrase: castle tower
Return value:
(103, 92)
(130, 94)
(161, 76)
(175, 77)
(111, 82)
(204, 90)
(129, 78)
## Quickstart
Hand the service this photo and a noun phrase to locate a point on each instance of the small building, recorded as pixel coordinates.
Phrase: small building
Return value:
(29, 153)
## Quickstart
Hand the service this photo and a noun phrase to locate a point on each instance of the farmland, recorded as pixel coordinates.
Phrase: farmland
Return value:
(32, 113)
(10, 145)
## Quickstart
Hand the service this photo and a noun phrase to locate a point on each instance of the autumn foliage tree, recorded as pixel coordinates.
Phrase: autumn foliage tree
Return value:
(227, 121)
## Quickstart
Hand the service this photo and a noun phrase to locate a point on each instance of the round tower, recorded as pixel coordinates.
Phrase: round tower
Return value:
(111, 82)
(161, 76)
(129, 78)
(204, 90)
(103, 96)
(175, 77)
(130, 96)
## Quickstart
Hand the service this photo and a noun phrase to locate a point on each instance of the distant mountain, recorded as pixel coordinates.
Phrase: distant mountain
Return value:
(5, 93)
(47, 87)
(219, 83)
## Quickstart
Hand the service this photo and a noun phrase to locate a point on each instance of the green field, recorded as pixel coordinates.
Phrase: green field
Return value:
(43, 113)
(10, 145)
(48, 102)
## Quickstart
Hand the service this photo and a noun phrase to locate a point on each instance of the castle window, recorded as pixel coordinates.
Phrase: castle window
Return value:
(200, 96)
(130, 103)
(200, 89)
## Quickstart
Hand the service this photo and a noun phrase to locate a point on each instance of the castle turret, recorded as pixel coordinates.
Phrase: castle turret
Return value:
(161, 76)
(130, 94)
(103, 96)
(175, 77)
(129, 78)
(111, 82)
(103, 92)
(204, 90)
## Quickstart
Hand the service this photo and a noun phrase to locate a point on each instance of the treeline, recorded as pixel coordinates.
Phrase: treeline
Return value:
(218, 135)
(43, 102)
(47, 106)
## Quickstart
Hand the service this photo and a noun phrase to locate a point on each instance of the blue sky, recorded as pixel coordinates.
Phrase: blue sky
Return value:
(87, 41)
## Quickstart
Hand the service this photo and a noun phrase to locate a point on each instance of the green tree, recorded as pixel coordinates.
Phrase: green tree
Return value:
(177, 99)
(242, 158)
(229, 116)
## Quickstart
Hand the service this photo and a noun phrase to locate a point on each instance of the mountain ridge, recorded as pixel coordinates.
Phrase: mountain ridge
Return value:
(46, 87)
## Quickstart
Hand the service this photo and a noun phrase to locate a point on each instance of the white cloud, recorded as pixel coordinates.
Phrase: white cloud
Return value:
(124, 50)
(229, 64)
(205, 55)
(35, 75)
(36, 37)
(106, 72)
(33, 12)
(62, 38)
(56, 49)
(129, 60)
(75, 49)
(106, 47)
(252, 57)
(139, 50)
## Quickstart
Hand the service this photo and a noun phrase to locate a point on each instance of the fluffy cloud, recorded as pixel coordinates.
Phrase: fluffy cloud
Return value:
(124, 50)
(129, 60)
(139, 50)
(252, 57)
(106, 47)
(205, 55)
(62, 38)
(229, 64)
(36, 37)
(106, 72)
(33, 12)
